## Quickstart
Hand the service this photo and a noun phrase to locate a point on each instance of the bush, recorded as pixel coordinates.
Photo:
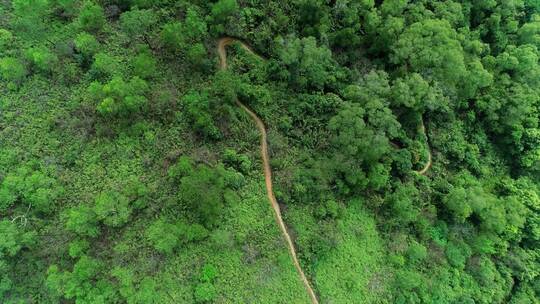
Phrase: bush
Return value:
(5, 39)
(144, 65)
(33, 188)
(198, 110)
(83, 221)
(104, 66)
(166, 236)
(91, 18)
(203, 191)
(78, 248)
(86, 44)
(119, 98)
(12, 70)
(171, 36)
(113, 208)
(137, 22)
(42, 59)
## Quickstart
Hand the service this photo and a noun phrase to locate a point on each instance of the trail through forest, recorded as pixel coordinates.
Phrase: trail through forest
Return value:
(222, 44)
(430, 158)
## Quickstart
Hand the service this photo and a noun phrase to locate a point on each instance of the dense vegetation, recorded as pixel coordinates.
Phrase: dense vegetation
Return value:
(129, 175)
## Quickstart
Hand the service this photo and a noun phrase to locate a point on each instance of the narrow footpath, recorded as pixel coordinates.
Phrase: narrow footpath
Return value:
(221, 49)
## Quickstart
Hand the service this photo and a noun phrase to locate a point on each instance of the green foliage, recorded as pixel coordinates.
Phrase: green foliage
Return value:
(431, 44)
(171, 36)
(78, 248)
(144, 65)
(205, 291)
(100, 203)
(104, 66)
(83, 221)
(42, 59)
(305, 64)
(12, 70)
(91, 17)
(83, 283)
(113, 208)
(416, 252)
(185, 36)
(198, 110)
(118, 97)
(137, 22)
(13, 239)
(166, 236)
(143, 292)
(33, 188)
(203, 191)
(86, 44)
(6, 38)
(221, 11)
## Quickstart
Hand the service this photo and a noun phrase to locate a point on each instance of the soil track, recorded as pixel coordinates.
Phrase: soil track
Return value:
(222, 52)
(430, 160)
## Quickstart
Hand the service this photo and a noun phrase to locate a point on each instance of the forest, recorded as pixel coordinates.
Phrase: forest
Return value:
(270, 151)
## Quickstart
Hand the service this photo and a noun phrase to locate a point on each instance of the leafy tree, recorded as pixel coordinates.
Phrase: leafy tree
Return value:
(431, 45)
(30, 17)
(166, 236)
(137, 22)
(184, 166)
(113, 208)
(529, 33)
(415, 93)
(13, 239)
(66, 8)
(144, 65)
(86, 44)
(42, 59)
(416, 252)
(205, 291)
(91, 17)
(197, 55)
(457, 254)
(143, 292)
(203, 192)
(12, 70)
(221, 11)
(195, 26)
(458, 202)
(6, 38)
(118, 97)
(198, 110)
(313, 18)
(305, 64)
(78, 248)
(83, 221)
(84, 283)
(172, 36)
(163, 236)
(104, 66)
(35, 189)
(359, 145)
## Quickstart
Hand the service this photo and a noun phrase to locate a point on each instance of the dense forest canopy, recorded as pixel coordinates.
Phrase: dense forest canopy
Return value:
(403, 136)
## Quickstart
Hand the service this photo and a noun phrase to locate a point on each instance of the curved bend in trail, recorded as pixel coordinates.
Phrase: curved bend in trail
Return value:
(222, 44)
(430, 160)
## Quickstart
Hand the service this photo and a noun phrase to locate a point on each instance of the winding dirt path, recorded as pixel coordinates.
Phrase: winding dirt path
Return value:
(221, 49)
(430, 160)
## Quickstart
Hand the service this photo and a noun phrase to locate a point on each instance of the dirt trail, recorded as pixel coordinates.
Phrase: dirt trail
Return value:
(430, 161)
(222, 44)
